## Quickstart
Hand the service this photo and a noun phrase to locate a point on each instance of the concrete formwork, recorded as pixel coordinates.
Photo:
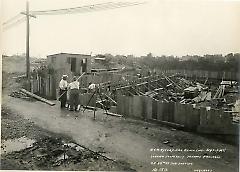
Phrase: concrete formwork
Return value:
(200, 119)
(85, 98)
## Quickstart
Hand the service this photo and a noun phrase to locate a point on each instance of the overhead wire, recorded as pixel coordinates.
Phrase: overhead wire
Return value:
(64, 9)
(18, 19)
(13, 19)
(83, 9)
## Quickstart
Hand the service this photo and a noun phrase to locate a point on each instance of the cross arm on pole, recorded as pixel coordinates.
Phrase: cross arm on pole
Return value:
(30, 15)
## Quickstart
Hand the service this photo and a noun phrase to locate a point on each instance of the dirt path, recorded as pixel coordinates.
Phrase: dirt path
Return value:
(122, 139)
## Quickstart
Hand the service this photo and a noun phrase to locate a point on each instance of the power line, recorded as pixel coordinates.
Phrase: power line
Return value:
(63, 9)
(13, 19)
(15, 23)
(89, 8)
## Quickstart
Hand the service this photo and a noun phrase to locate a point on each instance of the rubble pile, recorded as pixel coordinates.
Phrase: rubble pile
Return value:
(53, 153)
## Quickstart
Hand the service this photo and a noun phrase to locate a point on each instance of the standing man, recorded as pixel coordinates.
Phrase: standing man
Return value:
(91, 87)
(74, 95)
(63, 85)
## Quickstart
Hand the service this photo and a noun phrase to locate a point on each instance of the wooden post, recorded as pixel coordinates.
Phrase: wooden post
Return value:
(27, 43)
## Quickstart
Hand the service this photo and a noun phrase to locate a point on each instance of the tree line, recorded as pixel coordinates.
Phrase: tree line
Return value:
(230, 62)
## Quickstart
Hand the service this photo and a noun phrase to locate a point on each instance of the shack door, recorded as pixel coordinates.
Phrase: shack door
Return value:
(84, 65)
(73, 64)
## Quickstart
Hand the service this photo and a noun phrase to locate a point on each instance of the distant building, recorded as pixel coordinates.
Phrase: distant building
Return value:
(66, 62)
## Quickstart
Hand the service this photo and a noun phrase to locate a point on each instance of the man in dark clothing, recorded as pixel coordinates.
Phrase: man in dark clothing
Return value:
(63, 91)
(74, 95)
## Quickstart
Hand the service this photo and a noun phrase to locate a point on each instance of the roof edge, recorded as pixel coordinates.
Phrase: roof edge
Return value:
(68, 54)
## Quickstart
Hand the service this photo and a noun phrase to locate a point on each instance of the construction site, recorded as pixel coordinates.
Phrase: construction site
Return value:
(143, 113)
(139, 108)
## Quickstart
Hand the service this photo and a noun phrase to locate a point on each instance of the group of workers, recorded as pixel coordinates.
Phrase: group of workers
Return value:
(73, 89)
(69, 93)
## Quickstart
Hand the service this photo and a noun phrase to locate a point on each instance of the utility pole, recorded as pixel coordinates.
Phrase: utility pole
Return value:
(27, 40)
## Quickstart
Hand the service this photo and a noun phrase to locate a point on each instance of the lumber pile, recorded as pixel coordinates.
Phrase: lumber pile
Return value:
(18, 94)
(220, 92)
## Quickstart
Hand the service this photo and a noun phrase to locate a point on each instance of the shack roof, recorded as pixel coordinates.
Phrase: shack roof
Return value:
(72, 54)
(100, 58)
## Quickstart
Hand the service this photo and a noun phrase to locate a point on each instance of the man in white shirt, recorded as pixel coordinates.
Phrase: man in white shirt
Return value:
(74, 95)
(63, 90)
(91, 87)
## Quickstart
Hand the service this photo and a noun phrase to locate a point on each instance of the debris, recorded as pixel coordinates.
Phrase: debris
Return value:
(166, 142)
(78, 148)
(62, 157)
(208, 108)
(18, 77)
(70, 145)
(18, 94)
(208, 96)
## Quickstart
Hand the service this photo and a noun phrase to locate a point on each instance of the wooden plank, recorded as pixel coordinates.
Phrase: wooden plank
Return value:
(159, 111)
(113, 114)
(37, 97)
(137, 107)
(154, 109)
(130, 106)
(231, 112)
(148, 103)
(130, 93)
(111, 99)
(180, 114)
(90, 107)
(120, 104)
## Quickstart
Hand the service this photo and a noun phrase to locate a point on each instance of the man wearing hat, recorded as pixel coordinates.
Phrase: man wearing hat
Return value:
(63, 85)
(74, 95)
(91, 87)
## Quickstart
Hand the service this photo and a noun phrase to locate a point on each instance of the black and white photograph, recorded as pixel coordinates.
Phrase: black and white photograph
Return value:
(120, 85)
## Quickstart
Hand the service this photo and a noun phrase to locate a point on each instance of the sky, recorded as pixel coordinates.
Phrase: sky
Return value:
(162, 27)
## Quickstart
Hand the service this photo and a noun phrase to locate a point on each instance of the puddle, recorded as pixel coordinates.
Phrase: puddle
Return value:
(18, 144)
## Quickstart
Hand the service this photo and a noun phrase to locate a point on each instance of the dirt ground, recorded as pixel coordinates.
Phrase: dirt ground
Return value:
(126, 141)
(46, 152)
